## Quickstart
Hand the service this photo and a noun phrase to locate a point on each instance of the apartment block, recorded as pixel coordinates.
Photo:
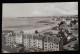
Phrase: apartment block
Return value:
(40, 41)
(9, 37)
(35, 41)
(18, 38)
(29, 41)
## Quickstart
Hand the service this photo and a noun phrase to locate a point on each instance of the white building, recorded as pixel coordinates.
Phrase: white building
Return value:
(29, 41)
(18, 38)
(35, 41)
(25, 41)
(68, 22)
(9, 37)
(53, 43)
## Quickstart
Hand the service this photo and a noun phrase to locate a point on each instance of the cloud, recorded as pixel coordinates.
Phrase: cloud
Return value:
(40, 9)
(36, 13)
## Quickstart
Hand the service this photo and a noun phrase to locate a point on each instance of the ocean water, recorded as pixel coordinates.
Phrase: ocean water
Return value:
(23, 23)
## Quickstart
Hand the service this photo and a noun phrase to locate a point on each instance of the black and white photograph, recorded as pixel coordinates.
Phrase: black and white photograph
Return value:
(39, 27)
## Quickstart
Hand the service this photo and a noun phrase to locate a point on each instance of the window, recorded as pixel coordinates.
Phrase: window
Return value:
(50, 46)
(45, 41)
(34, 45)
(46, 44)
(56, 46)
(69, 46)
(50, 43)
(57, 43)
(45, 47)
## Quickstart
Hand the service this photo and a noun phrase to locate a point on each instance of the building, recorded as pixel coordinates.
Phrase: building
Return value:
(58, 44)
(9, 37)
(25, 41)
(18, 38)
(45, 45)
(35, 41)
(50, 43)
(68, 22)
(3, 38)
(29, 41)
(71, 38)
(40, 41)
(53, 43)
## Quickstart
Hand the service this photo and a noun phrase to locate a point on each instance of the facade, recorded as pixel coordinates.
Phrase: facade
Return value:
(25, 41)
(8, 37)
(45, 45)
(40, 41)
(50, 43)
(29, 41)
(19, 38)
(35, 41)
(53, 43)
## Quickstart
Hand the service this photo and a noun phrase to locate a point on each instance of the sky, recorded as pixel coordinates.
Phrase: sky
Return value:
(39, 9)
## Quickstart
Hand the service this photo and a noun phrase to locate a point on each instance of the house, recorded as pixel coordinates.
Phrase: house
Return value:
(53, 43)
(19, 38)
(46, 43)
(35, 41)
(55, 31)
(3, 39)
(25, 41)
(9, 37)
(68, 22)
(71, 38)
(29, 41)
(57, 43)
(40, 41)
(50, 43)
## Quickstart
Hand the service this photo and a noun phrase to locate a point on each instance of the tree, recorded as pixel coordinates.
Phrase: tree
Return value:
(70, 24)
(62, 22)
(36, 32)
(76, 46)
(61, 34)
(21, 48)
